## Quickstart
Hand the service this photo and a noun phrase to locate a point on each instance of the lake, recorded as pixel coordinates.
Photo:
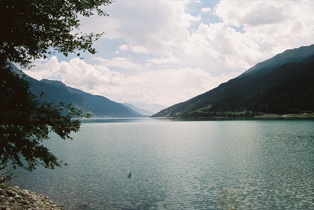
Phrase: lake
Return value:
(242, 164)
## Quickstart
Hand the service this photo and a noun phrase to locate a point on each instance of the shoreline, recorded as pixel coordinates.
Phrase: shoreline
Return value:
(16, 198)
(305, 116)
(287, 116)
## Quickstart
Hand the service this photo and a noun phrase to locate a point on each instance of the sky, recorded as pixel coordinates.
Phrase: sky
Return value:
(168, 51)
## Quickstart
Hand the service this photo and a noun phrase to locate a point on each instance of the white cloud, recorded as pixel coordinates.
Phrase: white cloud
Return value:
(146, 26)
(265, 14)
(173, 54)
(123, 47)
(249, 32)
(206, 10)
(273, 25)
(120, 62)
(134, 49)
(223, 45)
(76, 73)
(166, 87)
(165, 60)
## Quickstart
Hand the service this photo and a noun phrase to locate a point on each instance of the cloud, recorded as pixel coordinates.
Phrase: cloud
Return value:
(166, 86)
(249, 32)
(221, 46)
(265, 14)
(163, 29)
(145, 26)
(273, 25)
(120, 62)
(165, 60)
(252, 13)
(206, 10)
(76, 73)
(254, 30)
(168, 51)
(134, 49)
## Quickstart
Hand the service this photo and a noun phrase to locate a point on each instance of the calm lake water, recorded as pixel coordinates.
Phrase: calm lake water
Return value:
(255, 164)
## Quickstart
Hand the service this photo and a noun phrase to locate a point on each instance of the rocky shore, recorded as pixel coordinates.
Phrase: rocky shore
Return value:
(16, 198)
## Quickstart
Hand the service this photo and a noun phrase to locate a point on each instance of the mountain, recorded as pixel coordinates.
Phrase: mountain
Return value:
(282, 84)
(289, 56)
(146, 109)
(153, 108)
(136, 109)
(98, 106)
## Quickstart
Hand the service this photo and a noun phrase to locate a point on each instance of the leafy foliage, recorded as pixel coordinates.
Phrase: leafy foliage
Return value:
(31, 29)
(25, 123)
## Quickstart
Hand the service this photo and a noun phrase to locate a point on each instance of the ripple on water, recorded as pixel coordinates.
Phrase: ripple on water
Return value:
(182, 165)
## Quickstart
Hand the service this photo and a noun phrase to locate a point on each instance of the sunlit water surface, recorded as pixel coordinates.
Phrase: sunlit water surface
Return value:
(181, 165)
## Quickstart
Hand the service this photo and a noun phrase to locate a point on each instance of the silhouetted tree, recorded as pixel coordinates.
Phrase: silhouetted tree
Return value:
(31, 29)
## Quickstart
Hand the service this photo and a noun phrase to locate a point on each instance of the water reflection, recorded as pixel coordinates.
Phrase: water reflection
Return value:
(116, 120)
(182, 165)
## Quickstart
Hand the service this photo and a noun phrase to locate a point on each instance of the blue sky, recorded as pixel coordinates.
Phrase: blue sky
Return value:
(167, 51)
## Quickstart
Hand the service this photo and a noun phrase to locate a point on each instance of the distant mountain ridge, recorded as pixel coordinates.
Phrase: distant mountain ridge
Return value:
(56, 91)
(145, 109)
(98, 106)
(280, 85)
(288, 56)
(141, 111)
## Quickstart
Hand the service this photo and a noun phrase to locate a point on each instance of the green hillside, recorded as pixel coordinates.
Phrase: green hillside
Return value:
(280, 85)
(98, 106)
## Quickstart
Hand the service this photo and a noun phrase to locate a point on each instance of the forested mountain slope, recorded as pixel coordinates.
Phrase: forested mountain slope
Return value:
(98, 106)
(280, 85)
